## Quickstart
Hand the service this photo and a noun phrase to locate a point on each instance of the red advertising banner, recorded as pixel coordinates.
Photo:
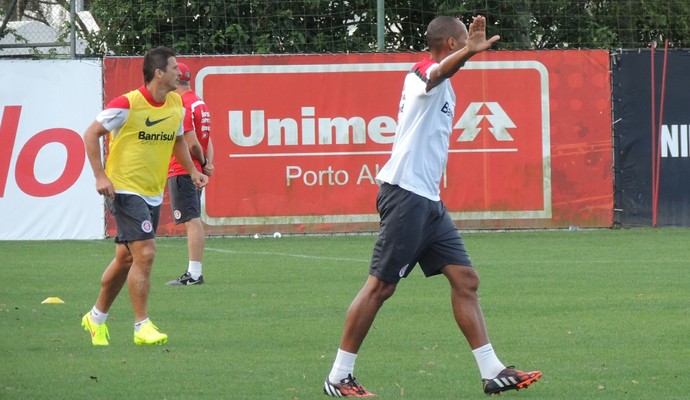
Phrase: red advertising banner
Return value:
(299, 139)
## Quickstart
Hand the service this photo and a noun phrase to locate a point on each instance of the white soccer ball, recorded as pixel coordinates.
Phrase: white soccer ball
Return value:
(257, 236)
(277, 235)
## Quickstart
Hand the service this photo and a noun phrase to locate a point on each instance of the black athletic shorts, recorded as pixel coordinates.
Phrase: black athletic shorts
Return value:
(135, 218)
(185, 198)
(414, 230)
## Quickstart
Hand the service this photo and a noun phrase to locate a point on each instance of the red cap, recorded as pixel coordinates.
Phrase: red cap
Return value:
(184, 69)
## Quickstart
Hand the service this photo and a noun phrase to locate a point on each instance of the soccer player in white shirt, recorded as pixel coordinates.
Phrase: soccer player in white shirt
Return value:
(415, 226)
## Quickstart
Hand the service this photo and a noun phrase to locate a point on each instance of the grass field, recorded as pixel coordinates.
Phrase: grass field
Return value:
(605, 314)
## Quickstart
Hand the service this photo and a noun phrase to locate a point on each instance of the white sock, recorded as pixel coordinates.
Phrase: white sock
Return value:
(97, 316)
(343, 366)
(194, 269)
(489, 364)
(137, 325)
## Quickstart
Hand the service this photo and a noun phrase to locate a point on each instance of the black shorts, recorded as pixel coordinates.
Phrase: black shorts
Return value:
(414, 230)
(185, 198)
(135, 218)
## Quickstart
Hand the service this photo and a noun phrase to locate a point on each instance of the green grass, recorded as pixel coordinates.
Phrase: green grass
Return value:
(605, 314)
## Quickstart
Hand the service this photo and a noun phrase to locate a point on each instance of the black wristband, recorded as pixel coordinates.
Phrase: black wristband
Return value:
(203, 164)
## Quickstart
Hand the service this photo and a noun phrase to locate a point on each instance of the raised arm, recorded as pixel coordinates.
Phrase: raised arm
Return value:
(476, 42)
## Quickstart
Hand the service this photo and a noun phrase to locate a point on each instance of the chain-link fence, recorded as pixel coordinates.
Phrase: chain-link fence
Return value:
(131, 27)
(44, 28)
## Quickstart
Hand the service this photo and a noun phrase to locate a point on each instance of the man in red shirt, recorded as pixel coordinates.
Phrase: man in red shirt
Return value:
(184, 196)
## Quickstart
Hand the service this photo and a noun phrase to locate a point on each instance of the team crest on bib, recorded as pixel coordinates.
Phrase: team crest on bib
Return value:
(147, 226)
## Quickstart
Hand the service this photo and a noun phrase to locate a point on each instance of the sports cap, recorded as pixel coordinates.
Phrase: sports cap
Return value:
(184, 69)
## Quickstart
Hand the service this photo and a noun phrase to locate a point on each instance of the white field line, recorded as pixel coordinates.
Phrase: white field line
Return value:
(270, 253)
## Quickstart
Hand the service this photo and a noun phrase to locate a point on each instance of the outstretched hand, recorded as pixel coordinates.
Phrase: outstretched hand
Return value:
(476, 36)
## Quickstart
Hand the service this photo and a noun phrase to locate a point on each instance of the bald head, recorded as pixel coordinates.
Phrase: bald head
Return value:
(442, 28)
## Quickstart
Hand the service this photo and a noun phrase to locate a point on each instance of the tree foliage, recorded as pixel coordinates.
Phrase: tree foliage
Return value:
(226, 27)
(319, 26)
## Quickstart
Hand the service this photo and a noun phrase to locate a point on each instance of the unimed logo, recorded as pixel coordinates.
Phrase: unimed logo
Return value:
(308, 129)
(470, 121)
(311, 129)
(309, 154)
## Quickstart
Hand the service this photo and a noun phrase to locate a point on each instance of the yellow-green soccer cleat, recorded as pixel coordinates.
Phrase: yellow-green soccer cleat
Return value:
(148, 334)
(99, 333)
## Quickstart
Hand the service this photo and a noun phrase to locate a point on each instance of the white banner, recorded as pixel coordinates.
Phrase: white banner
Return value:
(47, 189)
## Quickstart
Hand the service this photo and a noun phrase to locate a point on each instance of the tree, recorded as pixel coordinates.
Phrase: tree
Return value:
(226, 27)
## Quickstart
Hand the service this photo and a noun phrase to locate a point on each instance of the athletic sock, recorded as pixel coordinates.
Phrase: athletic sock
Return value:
(98, 317)
(194, 269)
(489, 364)
(137, 325)
(343, 366)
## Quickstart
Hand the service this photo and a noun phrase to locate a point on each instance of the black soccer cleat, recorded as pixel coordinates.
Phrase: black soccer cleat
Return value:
(186, 280)
(348, 387)
(510, 379)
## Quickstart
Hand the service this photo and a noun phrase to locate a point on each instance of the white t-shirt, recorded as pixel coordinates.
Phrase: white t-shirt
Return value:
(425, 122)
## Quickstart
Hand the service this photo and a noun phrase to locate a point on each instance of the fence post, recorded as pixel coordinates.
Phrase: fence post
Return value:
(380, 25)
(73, 29)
